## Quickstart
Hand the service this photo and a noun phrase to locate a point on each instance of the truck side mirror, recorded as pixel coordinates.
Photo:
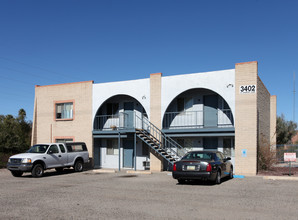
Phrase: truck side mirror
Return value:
(50, 152)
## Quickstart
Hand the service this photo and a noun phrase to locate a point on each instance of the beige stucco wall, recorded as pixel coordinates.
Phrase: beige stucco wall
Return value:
(45, 126)
(155, 116)
(246, 119)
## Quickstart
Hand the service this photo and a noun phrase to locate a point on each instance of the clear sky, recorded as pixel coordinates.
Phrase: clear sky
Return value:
(58, 41)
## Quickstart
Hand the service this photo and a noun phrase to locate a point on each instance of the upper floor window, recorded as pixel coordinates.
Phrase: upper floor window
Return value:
(64, 110)
(184, 104)
(112, 108)
(64, 140)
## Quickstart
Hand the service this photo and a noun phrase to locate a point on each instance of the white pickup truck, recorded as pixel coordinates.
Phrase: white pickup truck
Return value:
(41, 157)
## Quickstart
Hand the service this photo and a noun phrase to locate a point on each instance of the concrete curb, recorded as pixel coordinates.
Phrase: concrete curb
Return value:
(103, 171)
(280, 178)
(138, 172)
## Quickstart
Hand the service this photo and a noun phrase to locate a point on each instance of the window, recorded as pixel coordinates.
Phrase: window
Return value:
(112, 108)
(54, 149)
(180, 104)
(223, 104)
(62, 149)
(184, 103)
(188, 103)
(219, 156)
(76, 147)
(200, 155)
(64, 140)
(112, 147)
(64, 110)
(145, 149)
(186, 143)
(228, 147)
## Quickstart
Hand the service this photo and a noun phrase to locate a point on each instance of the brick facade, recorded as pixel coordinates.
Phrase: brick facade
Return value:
(246, 119)
(46, 128)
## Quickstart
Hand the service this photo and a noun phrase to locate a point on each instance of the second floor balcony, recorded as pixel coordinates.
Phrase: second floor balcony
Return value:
(172, 120)
(198, 119)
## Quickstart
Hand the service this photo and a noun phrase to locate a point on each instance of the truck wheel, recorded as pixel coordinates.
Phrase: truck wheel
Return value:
(17, 173)
(37, 170)
(78, 167)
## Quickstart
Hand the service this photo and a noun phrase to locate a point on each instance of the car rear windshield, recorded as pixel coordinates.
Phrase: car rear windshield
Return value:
(75, 147)
(38, 148)
(200, 155)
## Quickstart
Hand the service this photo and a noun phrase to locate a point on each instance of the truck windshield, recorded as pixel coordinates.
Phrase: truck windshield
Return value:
(39, 148)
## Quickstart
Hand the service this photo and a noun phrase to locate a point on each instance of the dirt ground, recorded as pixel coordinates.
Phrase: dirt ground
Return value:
(280, 171)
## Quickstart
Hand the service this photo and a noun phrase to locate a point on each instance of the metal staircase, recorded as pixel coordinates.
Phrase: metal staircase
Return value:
(157, 140)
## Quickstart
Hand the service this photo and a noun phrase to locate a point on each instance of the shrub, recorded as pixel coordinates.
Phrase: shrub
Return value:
(266, 155)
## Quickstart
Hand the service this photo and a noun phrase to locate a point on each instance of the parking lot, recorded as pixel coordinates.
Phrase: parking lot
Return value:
(90, 195)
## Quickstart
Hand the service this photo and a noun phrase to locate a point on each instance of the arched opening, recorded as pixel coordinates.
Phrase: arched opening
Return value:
(198, 108)
(119, 112)
(114, 140)
(201, 119)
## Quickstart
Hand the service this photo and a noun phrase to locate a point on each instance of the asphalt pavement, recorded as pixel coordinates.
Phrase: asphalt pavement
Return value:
(90, 195)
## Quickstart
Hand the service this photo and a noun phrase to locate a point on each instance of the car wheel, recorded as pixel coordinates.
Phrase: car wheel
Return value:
(218, 178)
(231, 173)
(78, 167)
(37, 170)
(180, 181)
(17, 173)
(59, 169)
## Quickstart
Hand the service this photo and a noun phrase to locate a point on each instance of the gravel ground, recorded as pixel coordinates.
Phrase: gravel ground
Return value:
(91, 195)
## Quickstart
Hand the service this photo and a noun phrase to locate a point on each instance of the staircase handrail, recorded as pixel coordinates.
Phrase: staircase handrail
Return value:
(164, 137)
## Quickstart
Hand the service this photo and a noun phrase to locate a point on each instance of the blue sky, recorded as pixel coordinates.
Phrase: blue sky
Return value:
(59, 41)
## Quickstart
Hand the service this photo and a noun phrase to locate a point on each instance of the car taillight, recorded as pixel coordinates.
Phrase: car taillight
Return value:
(209, 168)
(174, 167)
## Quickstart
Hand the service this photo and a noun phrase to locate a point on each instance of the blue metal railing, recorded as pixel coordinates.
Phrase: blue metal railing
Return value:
(110, 122)
(195, 119)
(172, 120)
(155, 138)
(162, 142)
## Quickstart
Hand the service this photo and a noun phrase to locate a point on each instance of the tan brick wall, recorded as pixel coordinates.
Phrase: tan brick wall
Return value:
(45, 126)
(273, 121)
(155, 115)
(263, 100)
(246, 119)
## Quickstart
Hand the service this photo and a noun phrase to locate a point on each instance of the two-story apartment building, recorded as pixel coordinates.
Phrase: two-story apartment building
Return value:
(149, 123)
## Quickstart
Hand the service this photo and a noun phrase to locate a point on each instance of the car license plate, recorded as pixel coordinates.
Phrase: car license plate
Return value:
(191, 167)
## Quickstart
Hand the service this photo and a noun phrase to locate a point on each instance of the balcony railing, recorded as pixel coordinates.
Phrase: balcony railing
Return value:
(195, 119)
(122, 120)
(172, 120)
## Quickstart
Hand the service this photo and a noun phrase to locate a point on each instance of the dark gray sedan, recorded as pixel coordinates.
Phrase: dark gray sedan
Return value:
(203, 165)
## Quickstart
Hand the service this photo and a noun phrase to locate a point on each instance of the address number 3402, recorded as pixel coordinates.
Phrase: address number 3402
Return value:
(248, 89)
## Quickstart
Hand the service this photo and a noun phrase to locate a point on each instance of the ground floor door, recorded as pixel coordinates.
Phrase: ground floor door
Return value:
(210, 143)
(128, 114)
(229, 147)
(96, 153)
(128, 153)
